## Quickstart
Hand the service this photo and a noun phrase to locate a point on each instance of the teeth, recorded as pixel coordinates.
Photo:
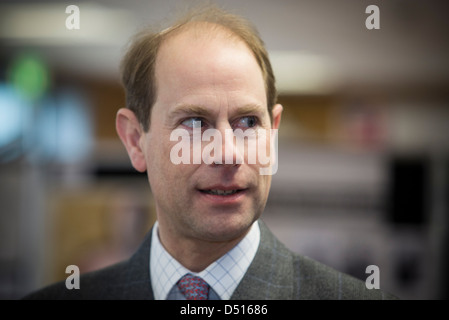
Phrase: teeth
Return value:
(221, 192)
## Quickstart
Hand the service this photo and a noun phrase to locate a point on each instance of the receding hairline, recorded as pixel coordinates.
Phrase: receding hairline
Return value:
(200, 30)
(210, 21)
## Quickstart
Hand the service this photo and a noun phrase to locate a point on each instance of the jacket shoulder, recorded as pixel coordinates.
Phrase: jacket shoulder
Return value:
(125, 280)
(316, 280)
(279, 273)
(97, 284)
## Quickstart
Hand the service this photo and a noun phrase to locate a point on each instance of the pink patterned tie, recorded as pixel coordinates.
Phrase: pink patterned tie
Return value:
(193, 288)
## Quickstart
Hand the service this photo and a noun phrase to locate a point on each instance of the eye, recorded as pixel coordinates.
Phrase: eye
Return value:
(194, 122)
(247, 122)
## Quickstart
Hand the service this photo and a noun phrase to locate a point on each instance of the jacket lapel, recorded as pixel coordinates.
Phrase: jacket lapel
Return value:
(138, 281)
(270, 275)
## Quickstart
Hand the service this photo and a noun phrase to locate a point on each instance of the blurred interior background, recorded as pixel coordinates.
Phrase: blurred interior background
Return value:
(363, 146)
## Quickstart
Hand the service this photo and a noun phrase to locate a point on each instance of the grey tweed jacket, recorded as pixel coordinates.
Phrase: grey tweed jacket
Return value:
(276, 273)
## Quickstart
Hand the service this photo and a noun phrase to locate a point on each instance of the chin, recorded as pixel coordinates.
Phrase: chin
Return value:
(227, 229)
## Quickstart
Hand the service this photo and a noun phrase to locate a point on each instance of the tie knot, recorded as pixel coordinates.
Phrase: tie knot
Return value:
(193, 288)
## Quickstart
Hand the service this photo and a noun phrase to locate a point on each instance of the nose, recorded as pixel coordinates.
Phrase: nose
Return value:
(225, 151)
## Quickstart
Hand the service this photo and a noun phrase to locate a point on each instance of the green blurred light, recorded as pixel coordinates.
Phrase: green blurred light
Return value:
(29, 75)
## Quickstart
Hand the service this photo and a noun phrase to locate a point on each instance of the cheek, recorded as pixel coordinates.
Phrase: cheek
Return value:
(156, 160)
(264, 182)
(157, 148)
(162, 172)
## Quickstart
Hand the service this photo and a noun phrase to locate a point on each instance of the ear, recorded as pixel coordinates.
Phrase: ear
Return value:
(276, 113)
(130, 132)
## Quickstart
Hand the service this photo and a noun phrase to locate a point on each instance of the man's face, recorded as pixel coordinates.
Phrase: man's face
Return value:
(215, 80)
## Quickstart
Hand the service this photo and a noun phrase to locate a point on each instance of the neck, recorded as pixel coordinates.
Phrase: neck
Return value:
(193, 253)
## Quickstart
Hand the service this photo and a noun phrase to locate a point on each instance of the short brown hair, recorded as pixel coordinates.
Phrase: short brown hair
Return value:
(138, 64)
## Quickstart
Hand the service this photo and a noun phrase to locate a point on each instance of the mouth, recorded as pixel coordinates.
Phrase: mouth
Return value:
(223, 195)
(220, 192)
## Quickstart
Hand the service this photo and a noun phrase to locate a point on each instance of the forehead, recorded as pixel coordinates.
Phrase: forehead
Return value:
(197, 41)
(205, 56)
(200, 31)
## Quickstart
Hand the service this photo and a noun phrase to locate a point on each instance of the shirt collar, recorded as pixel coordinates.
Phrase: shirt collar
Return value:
(223, 275)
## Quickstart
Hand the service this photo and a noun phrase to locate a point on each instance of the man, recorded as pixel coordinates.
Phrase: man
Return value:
(209, 73)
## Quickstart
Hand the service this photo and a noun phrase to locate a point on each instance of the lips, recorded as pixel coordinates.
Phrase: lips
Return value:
(222, 190)
(219, 192)
(223, 194)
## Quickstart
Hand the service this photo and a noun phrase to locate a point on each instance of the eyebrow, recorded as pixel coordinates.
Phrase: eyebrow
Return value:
(189, 109)
(251, 109)
(202, 111)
